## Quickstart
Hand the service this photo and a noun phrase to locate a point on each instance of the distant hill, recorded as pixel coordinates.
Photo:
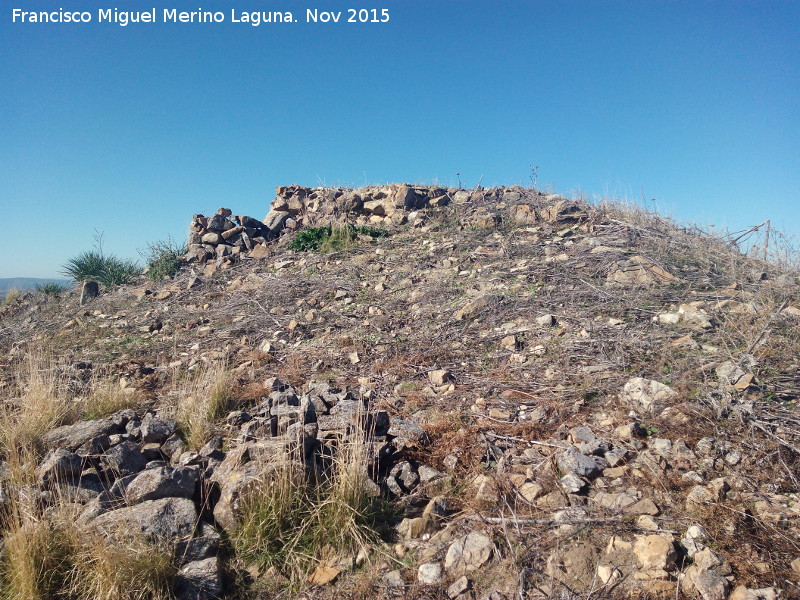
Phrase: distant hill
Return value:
(24, 283)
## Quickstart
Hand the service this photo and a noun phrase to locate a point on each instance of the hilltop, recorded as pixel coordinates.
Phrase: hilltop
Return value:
(410, 391)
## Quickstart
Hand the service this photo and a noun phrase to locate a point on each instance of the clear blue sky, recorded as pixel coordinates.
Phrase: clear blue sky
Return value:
(131, 130)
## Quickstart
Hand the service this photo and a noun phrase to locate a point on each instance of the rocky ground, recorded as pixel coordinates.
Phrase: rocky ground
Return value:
(528, 398)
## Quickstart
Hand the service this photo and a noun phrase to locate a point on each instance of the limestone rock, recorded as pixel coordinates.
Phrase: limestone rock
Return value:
(745, 593)
(647, 394)
(655, 552)
(638, 271)
(429, 573)
(472, 308)
(440, 376)
(469, 553)
(460, 586)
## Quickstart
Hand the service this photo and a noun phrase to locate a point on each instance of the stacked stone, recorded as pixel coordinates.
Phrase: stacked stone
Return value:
(395, 204)
(224, 236)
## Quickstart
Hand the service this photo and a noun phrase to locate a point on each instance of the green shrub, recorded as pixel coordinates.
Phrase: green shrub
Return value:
(95, 264)
(163, 259)
(332, 239)
(108, 270)
(50, 288)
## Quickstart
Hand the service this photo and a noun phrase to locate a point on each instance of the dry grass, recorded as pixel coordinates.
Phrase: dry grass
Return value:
(36, 560)
(48, 556)
(12, 296)
(293, 522)
(204, 398)
(130, 570)
(105, 398)
(44, 403)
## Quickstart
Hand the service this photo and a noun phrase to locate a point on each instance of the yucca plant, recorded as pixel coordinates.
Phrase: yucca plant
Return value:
(106, 269)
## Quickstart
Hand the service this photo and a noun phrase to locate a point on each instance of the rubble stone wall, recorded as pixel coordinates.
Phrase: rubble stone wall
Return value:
(223, 237)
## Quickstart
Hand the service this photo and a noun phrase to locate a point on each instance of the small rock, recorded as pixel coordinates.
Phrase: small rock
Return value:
(199, 580)
(429, 573)
(468, 553)
(393, 579)
(157, 429)
(440, 377)
(460, 586)
(644, 506)
(546, 321)
(655, 552)
(125, 458)
(572, 461)
(60, 466)
(745, 593)
(162, 482)
(647, 394)
(89, 289)
(572, 484)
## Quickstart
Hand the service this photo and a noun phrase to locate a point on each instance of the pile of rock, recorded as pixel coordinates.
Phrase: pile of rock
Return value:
(223, 238)
(132, 473)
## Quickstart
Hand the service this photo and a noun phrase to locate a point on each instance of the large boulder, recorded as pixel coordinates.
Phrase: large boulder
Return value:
(165, 520)
(162, 482)
(72, 437)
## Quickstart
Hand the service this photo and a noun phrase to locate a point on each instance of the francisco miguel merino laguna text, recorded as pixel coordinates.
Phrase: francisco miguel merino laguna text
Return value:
(173, 15)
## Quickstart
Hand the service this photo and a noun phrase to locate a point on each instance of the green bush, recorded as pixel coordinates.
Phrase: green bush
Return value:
(108, 270)
(50, 288)
(332, 239)
(163, 259)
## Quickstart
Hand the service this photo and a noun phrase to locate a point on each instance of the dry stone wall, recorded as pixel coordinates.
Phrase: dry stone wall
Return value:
(223, 238)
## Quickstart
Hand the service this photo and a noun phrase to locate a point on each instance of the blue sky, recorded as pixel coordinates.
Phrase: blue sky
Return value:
(131, 130)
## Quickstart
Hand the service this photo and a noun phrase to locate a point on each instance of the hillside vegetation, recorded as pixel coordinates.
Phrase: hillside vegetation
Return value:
(499, 394)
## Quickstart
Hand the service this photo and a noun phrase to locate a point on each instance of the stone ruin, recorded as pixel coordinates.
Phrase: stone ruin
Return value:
(223, 238)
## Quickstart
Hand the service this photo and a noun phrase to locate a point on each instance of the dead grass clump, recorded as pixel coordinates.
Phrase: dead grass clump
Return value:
(205, 397)
(106, 398)
(37, 557)
(43, 405)
(294, 522)
(48, 556)
(133, 570)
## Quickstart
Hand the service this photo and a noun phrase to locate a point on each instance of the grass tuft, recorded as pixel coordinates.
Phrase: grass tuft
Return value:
(334, 238)
(204, 399)
(106, 398)
(43, 405)
(50, 288)
(293, 521)
(163, 259)
(12, 296)
(124, 570)
(108, 270)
